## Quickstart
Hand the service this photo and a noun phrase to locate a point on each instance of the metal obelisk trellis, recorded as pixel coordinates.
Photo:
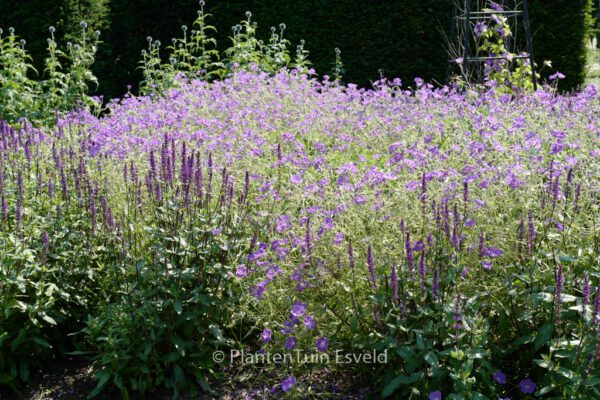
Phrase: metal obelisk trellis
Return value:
(463, 41)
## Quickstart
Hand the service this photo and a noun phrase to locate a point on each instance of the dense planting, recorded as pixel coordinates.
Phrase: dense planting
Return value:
(456, 231)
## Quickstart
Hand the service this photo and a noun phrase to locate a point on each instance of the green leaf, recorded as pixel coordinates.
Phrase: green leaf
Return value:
(49, 320)
(24, 370)
(103, 377)
(543, 363)
(431, 359)
(542, 296)
(420, 343)
(567, 373)
(405, 353)
(178, 307)
(563, 258)
(178, 374)
(592, 381)
(42, 342)
(401, 380)
(544, 391)
(216, 332)
(543, 336)
(524, 340)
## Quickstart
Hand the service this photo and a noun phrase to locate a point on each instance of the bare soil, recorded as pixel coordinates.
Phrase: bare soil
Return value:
(73, 378)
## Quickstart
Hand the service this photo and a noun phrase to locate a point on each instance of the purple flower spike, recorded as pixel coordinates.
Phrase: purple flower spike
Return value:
(371, 266)
(527, 386)
(394, 283)
(351, 255)
(410, 259)
(436, 285)
(587, 289)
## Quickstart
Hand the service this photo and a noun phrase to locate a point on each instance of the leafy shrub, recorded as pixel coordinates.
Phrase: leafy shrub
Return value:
(65, 88)
(196, 56)
(175, 280)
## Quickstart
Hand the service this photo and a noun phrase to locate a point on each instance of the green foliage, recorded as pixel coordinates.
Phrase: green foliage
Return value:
(175, 296)
(18, 93)
(66, 87)
(197, 58)
(52, 269)
(32, 18)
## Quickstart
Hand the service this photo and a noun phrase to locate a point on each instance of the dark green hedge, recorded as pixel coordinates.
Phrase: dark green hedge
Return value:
(399, 38)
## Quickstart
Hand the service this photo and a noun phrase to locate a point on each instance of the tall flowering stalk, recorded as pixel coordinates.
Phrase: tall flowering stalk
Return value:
(531, 232)
(394, 284)
(19, 208)
(371, 266)
(410, 258)
(586, 291)
(457, 326)
(422, 269)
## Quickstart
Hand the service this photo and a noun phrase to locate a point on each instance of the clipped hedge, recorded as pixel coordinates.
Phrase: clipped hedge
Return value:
(399, 38)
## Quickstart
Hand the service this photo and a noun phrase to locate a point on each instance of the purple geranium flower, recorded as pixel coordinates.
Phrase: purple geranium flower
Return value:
(419, 246)
(527, 386)
(437, 395)
(266, 335)
(493, 252)
(339, 238)
(298, 309)
(309, 322)
(288, 383)
(322, 344)
(283, 223)
(499, 377)
(480, 28)
(556, 76)
(241, 271)
(290, 343)
(296, 179)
